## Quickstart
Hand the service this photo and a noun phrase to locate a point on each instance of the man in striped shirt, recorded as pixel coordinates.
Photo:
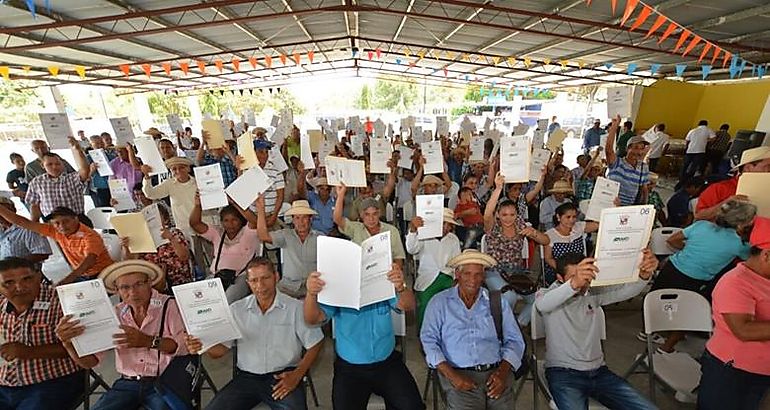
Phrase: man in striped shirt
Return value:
(630, 171)
(37, 373)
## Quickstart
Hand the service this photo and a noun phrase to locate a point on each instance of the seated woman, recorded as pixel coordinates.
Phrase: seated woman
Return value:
(705, 249)
(507, 236)
(173, 257)
(559, 195)
(567, 236)
(235, 245)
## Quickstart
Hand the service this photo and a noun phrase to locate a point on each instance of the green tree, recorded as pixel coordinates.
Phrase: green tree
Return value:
(393, 95)
(364, 99)
(163, 104)
(16, 104)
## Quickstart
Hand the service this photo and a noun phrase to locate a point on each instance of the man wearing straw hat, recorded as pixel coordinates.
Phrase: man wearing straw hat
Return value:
(475, 362)
(558, 197)
(709, 202)
(321, 201)
(299, 245)
(141, 355)
(433, 274)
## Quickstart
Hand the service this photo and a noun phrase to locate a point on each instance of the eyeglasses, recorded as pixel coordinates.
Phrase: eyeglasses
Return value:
(135, 286)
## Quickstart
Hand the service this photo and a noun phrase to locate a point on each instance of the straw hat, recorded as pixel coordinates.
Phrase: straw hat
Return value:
(754, 155)
(561, 187)
(177, 161)
(300, 207)
(111, 273)
(153, 131)
(471, 256)
(320, 181)
(431, 179)
(449, 216)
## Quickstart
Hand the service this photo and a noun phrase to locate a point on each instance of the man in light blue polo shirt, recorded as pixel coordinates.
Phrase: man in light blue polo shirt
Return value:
(366, 361)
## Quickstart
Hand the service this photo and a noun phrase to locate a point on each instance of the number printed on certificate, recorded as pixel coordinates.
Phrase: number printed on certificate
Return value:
(205, 312)
(88, 303)
(623, 233)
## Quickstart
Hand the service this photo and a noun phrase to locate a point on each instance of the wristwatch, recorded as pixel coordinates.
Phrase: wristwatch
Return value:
(155, 342)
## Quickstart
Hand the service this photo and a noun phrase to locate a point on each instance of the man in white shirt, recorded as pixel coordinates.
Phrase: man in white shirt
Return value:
(658, 144)
(695, 155)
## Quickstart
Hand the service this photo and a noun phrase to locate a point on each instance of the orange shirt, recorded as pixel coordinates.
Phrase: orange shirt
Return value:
(78, 245)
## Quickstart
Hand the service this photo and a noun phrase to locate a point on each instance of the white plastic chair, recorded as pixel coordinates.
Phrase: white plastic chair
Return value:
(100, 217)
(583, 206)
(390, 214)
(112, 242)
(658, 240)
(55, 267)
(484, 243)
(673, 310)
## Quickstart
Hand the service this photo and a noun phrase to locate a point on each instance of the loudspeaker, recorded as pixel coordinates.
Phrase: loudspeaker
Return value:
(744, 139)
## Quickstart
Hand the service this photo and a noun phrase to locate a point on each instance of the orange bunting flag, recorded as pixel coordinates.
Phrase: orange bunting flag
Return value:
(376, 51)
(694, 42)
(5, 72)
(185, 67)
(656, 25)
(297, 58)
(282, 57)
(705, 51)
(642, 17)
(527, 62)
(268, 61)
(253, 62)
(717, 50)
(54, 70)
(630, 6)
(311, 54)
(81, 71)
(236, 64)
(166, 68)
(126, 69)
(202, 66)
(670, 29)
(614, 6)
(726, 58)
(220, 65)
(682, 38)
(147, 69)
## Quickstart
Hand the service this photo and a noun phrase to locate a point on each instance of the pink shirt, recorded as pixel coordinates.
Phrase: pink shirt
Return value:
(741, 291)
(236, 252)
(144, 361)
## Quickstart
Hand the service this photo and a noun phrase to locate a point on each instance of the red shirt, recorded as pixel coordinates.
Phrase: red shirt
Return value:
(740, 291)
(716, 193)
(470, 220)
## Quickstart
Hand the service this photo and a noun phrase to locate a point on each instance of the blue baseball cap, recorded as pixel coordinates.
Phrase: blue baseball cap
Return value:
(262, 144)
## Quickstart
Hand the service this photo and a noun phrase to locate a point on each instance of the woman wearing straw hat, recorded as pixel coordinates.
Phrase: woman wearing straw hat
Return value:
(180, 189)
(433, 274)
(558, 196)
(141, 354)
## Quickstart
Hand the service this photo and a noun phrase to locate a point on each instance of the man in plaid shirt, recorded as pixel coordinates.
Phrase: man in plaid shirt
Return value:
(37, 373)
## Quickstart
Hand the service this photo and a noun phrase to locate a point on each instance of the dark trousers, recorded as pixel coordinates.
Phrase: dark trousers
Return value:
(54, 394)
(723, 386)
(654, 164)
(389, 379)
(247, 390)
(128, 394)
(101, 197)
(692, 164)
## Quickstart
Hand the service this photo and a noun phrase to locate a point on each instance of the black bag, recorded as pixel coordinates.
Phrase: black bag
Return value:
(181, 378)
(227, 276)
(521, 281)
(496, 307)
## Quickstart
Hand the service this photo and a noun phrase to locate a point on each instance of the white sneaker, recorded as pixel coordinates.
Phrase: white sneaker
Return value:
(684, 397)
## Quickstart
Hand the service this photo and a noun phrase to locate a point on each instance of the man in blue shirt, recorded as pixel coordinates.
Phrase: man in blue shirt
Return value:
(679, 213)
(320, 200)
(366, 361)
(100, 190)
(461, 341)
(592, 136)
(631, 172)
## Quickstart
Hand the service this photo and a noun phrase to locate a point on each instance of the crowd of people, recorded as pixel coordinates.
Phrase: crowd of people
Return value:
(474, 288)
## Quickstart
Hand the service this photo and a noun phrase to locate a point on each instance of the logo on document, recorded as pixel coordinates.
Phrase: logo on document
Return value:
(623, 220)
(198, 294)
(79, 296)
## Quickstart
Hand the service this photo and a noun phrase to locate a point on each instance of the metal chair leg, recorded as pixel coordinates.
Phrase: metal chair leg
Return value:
(311, 386)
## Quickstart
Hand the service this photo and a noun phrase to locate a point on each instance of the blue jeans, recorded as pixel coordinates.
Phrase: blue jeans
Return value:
(722, 383)
(130, 395)
(53, 394)
(571, 389)
(247, 390)
(496, 282)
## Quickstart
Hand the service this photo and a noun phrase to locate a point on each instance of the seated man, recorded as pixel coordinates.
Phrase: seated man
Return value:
(270, 322)
(36, 373)
(574, 361)
(461, 339)
(141, 354)
(81, 246)
(18, 242)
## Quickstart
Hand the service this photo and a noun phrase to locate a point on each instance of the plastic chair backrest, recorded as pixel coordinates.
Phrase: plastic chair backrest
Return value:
(389, 213)
(112, 242)
(676, 309)
(583, 206)
(100, 217)
(658, 240)
(484, 243)
(399, 323)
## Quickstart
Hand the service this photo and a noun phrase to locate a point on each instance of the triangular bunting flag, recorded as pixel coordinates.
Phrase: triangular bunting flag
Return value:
(126, 69)
(407, 52)
(412, 64)
(670, 29)
(495, 59)
(185, 67)
(310, 55)
(202, 66)
(714, 57)
(680, 69)
(81, 71)
(693, 43)
(54, 70)
(527, 62)
(705, 70)
(26, 69)
(269, 61)
(449, 55)
(726, 57)
(236, 64)
(547, 61)
(682, 37)
(282, 57)
(421, 54)
(253, 62)
(378, 52)
(761, 69)
(642, 17)
(656, 25)
(654, 68)
(581, 64)
(608, 65)
(467, 58)
(5, 72)
(467, 77)
(147, 69)
(511, 61)
(297, 58)
(563, 63)
(630, 6)
(614, 4)
(31, 7)
(241, 92)
(219, 64)
(446, 72)
(741, 67)
(370, 55)
(166, 68)
(222, 92)
(631, 68)
(705, 51)
(398, 61)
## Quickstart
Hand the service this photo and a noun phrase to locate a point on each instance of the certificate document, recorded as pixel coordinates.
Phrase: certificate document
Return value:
(143, 229)
(603, 197)
(123, 131)
(277, 160)
(305, 153)
(205, 312)
(405, 159)
(434, 159)
(211, 186)
(538, 138)
(379, 155)
(477, 149)
(326, 148)
(442, 126)
(120, 193)
(215, 134)
(623, 233)
(102, 163)
(174, 122)
(431, 209)
(148, 152)
(248, 187)
(355, 276)
(514, 159)
(555, 139)
(539, 160)
(88, 303)
(350, 172)
(357, 145)
(754, 186)
(520, 129)
(246, 151)
(57, 130)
